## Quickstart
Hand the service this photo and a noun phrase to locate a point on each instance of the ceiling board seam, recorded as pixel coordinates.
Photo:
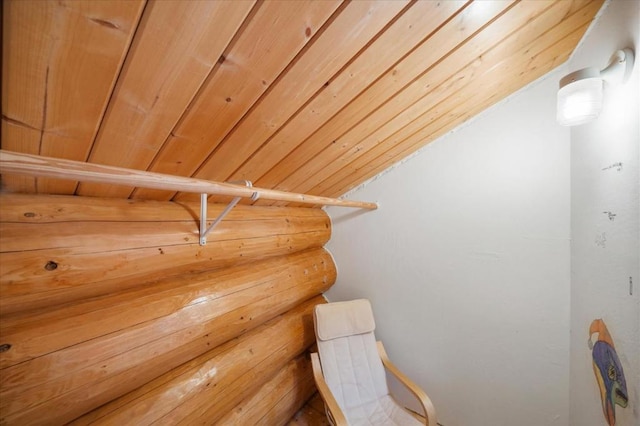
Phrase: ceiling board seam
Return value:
(295, 96)
(114, 85)
(448, 134)
(408, 152)
(43, 124)
(327, 84)
(426, 140)
(470, 117)
(403, 88)
(202, 87)
(590, 29)
(153, 13)
(428, 36)
(271, 87)
(439, 103)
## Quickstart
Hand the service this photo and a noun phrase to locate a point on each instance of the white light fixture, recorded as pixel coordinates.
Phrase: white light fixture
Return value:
(581, 92)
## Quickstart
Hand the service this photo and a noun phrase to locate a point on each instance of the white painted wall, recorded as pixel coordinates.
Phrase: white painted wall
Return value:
(605, 253)
(466, 264)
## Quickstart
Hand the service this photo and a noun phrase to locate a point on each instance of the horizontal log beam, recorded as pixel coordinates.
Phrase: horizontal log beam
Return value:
(198, 294)
(90, 237)
(214, 383)
(37, 208)
(79, 361)
(60, 249)
(278, 399)
(39, 166)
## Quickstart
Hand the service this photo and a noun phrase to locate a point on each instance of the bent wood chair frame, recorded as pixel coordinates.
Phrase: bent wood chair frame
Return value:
(334, 412)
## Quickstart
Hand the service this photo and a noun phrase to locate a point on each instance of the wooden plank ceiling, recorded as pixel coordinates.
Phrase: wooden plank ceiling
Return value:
(306, 96)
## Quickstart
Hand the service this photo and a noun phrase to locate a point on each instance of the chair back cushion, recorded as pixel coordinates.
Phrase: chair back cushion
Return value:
(348, 354)
(342, 319)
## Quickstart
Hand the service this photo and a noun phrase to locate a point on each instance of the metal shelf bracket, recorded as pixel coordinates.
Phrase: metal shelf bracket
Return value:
(204, 231)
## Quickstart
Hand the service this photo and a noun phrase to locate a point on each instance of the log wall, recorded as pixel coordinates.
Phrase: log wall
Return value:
(112, 313)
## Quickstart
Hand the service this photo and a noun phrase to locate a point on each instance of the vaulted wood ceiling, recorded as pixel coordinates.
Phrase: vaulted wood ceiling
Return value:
(299, 95)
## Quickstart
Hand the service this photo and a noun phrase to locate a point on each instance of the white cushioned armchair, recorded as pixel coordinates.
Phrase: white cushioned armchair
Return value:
(349, 370)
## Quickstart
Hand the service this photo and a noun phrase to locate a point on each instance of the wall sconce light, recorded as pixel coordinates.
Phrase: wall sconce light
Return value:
(580, 95)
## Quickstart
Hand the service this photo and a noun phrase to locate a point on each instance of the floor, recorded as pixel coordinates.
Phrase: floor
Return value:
(312, 414)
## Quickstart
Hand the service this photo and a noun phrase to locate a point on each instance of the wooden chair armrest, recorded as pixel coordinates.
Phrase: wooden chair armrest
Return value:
(427, 405)
(336, 413)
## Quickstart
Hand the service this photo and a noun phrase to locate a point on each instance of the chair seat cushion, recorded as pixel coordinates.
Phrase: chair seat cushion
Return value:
(383, 411)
